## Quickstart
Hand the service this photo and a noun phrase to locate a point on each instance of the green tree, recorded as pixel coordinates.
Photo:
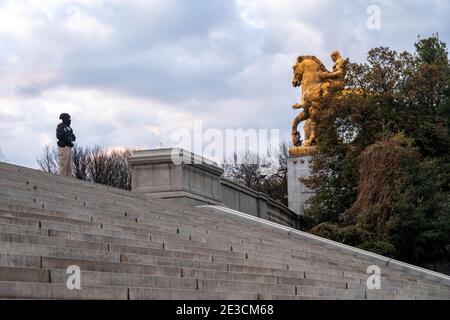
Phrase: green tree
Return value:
(382, 173)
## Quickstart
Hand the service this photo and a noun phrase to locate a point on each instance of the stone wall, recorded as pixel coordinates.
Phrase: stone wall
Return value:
(257, 204)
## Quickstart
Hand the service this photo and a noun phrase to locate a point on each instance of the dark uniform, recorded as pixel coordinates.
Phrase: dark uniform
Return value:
(66, 138)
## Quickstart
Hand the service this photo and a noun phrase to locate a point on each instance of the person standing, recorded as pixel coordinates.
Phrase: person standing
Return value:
(66, 138)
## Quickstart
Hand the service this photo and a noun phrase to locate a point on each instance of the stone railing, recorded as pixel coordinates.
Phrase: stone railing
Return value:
(179, 175)
(240, 198)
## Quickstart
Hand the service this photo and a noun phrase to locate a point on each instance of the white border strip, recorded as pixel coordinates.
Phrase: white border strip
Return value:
(388, 261)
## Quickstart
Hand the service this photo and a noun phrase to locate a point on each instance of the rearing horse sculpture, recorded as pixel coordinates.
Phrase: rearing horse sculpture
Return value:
(308, 73)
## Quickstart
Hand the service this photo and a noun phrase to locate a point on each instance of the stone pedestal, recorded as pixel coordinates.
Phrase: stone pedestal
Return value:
(299, 163)
(177, 175)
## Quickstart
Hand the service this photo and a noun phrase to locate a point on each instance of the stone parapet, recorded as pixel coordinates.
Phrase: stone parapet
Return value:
(176, 174)
(184, 177)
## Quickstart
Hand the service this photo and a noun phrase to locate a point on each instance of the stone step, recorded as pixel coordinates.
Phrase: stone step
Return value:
(135, 259)
(150, 248)
(112, 255)
(26, 249)
(176, 294)
(32, 239)
(20, 274)
(91, 278)
(59, 197)
(302, 268)
(107, 218)
(53, 233)
(35, 290)
(15, 260)
(160, 252)
(34, 217)
(104, 266)
(386, 289)
(331, 292)
(220, 258)
(118, 279)
(19, 221)
(190, 270)
(13, 228)
(102, 235)
(38, 217)
(313, 283)
(234, 286)
(26, 174)
(284, 297)
(170, 261)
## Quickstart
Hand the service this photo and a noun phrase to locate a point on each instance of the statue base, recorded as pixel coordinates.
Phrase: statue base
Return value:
(299, 163)
(302, 151)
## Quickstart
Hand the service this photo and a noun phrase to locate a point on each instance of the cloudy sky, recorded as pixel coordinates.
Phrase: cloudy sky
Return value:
(131, 72)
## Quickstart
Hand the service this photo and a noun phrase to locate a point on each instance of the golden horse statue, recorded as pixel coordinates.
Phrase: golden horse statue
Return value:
(316, 82)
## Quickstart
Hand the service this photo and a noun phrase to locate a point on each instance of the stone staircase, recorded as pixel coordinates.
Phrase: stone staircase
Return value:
(132, 247)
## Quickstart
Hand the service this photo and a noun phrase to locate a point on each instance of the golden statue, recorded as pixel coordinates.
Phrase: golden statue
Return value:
(316, 82)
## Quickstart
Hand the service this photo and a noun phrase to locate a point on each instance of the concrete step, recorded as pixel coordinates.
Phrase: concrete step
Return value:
(20, 274)
(19, 221)
(159, 252)
(111, 219)
(35, 290)
(91, 278)
(43, 240)
(12, 228)
(302, 269)
(53, 233)
(15, 260)
(37, 217)
(132, 247)
(235, 286)
(74, 220)
(330, 292)
(246, 261)
(146, 260)
(176, 294)
(104, 266)
(130, 280)
(284, 297)
(26, 249)
(80, 194)
(313, 283)
(322, 259)
(170, 261)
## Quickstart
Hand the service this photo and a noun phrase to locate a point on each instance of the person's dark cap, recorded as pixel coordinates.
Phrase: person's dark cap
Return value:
(64, 116)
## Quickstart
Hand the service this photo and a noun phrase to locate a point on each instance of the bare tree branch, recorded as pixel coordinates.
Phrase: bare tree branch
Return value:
(48, 160)
(259, 174)
(94, 165)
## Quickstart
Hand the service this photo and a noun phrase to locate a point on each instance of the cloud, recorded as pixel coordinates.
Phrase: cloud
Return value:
(98, 118)
(132, 72)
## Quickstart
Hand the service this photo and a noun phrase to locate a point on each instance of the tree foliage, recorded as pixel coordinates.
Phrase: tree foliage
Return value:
(382, 173)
